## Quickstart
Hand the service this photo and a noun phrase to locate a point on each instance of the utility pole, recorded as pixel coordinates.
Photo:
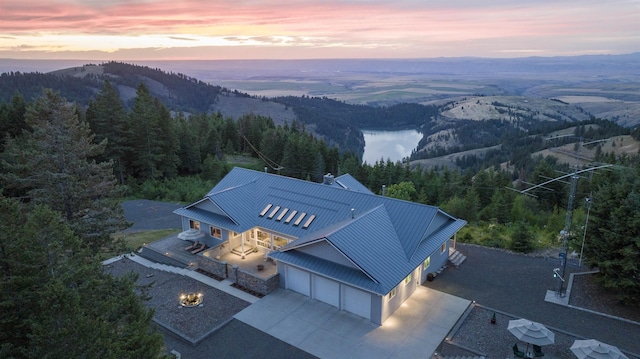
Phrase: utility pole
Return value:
(584, 234)
(566, 232)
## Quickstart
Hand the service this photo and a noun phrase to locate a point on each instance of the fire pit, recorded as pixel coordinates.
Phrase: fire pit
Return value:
(191, 299)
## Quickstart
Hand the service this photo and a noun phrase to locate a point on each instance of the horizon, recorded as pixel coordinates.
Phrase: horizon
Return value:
(192, 30)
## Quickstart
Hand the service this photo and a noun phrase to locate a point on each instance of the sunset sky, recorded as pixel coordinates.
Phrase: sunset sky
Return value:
(302, 29)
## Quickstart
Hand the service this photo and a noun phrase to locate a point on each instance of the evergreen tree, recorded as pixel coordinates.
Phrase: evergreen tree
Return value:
(613, 244)
(56, 300)
(522, 238)
(153, 141)
(143, 142)
(12, 118)
(167, 138)
(54, 165)
(108, 120)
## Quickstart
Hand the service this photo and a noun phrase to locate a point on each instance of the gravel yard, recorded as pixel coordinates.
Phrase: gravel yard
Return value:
(495, 341)
(520, 292)
(164, 291)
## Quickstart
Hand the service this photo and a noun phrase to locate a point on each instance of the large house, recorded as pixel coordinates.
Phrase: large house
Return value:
(335, 241)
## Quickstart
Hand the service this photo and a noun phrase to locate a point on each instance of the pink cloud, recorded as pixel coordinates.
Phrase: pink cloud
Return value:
(339, 23)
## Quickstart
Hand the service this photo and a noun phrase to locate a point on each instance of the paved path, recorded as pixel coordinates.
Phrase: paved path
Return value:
(517, 284)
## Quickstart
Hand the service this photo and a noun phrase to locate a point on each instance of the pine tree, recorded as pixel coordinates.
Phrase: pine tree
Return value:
(613, 239)
(56, 300)
(108, 120)
(54, 165)
(143, 142)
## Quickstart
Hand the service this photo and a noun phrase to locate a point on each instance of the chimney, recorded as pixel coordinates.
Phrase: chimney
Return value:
(384, 190)
(327, 179)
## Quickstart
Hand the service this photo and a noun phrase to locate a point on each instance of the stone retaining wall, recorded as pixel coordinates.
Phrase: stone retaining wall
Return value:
(212, 266)
(158, 257)
(235, 274)
(255, 283)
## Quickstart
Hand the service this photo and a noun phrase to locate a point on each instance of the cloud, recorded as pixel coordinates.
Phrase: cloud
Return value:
(413, 28)
(182, 38)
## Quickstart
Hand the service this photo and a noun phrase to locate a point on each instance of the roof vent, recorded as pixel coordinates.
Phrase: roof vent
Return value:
(328, 178)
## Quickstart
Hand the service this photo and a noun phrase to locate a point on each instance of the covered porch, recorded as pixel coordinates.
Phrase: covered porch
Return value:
(253, 261)
(251, 270)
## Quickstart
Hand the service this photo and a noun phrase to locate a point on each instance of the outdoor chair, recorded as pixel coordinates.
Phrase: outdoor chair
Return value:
(198, 249)
(537, 351)
(517, 352)
(192, 246)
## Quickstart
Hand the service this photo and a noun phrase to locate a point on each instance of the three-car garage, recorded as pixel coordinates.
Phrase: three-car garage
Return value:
(337, 294)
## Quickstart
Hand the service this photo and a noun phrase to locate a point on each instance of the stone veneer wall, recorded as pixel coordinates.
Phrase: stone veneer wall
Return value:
(253, 282)
(258, 284)
(212, 266)
(244, 279)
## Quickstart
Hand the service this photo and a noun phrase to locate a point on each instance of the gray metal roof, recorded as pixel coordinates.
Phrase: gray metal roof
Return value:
(386, 238)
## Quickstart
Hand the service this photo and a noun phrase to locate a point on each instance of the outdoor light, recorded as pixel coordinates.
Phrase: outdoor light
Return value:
(191, 300)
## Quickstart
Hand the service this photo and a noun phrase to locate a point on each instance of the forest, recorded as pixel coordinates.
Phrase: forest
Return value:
(70, 166)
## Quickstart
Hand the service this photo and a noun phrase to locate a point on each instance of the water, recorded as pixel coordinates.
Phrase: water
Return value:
(393, 145)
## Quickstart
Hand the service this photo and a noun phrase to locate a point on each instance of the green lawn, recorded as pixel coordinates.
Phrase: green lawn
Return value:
(133, 241)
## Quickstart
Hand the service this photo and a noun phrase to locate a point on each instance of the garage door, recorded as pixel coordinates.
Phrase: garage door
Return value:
(298, 280)
(326, 290)
(356, 301)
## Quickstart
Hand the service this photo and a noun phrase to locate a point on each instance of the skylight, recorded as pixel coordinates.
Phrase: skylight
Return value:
(291, 216)
(308, 222)
(273, 213)
(300, 218)
(265, 209)
(284, 211)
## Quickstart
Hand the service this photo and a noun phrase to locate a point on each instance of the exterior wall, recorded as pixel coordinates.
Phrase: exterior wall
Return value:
(376, 309)
(403, 292)
(281, 273)
(205, 228)
(438, 259)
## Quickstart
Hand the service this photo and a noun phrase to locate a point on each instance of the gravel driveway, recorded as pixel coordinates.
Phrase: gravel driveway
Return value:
(517, 284)
(149, 215)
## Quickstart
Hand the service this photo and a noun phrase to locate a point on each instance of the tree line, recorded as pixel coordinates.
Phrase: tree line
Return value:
(69, 167)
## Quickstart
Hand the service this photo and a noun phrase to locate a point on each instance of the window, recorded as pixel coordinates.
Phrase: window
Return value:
(194, 224)
(427, 263)
(408, 279)
(443, 247)
(263, 239)
(216, 232)
(279, 242)
(392, 293)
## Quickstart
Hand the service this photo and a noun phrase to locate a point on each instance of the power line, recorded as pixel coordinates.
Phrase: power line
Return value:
(273, 164)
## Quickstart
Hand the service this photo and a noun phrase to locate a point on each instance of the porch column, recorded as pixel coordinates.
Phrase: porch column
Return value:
(242, 243)
(455, 238)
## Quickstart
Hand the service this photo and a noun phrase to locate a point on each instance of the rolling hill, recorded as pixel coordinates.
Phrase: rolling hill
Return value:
(453, 124)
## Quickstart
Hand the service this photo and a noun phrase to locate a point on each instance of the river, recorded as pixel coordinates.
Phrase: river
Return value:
(393, 145)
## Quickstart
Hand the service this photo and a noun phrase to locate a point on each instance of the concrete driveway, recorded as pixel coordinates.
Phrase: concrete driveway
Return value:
(414, 331)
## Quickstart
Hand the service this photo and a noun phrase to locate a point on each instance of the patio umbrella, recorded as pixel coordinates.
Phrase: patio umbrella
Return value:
(531, 332)
(191, 235)
(594, 349)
